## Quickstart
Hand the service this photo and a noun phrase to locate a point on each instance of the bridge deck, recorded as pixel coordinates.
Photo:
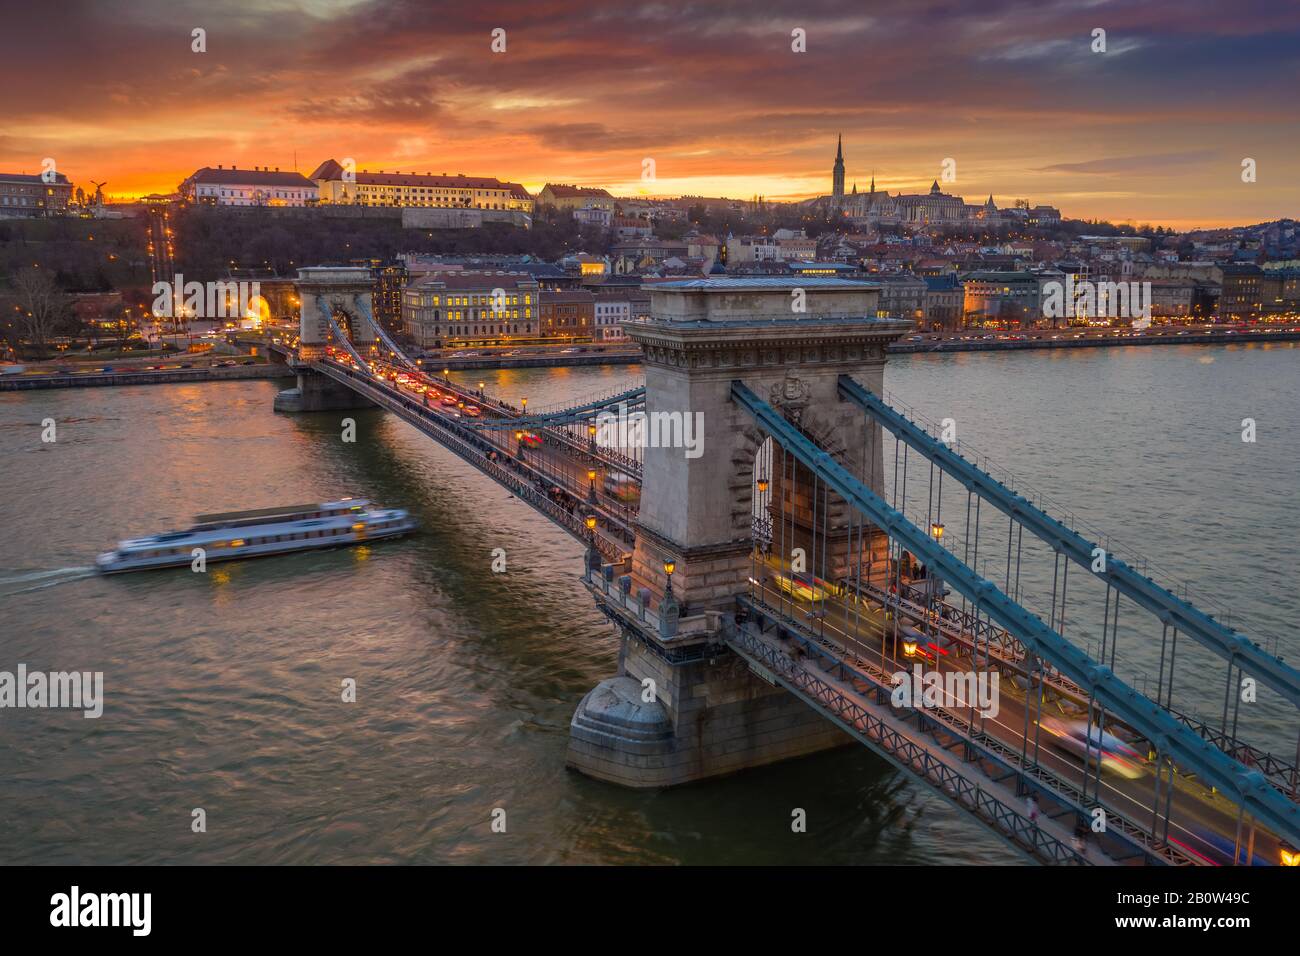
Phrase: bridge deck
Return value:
(836, 655)
(542, 467)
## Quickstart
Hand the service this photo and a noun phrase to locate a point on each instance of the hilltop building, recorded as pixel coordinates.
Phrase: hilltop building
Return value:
(409, 190)
(569, 198)
(22, 195)
(259, 186)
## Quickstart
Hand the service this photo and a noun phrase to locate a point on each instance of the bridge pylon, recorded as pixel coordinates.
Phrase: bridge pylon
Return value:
(707, 478)
(325, 292)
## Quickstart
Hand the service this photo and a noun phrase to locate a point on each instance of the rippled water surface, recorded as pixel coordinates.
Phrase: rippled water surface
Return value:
(223, 690)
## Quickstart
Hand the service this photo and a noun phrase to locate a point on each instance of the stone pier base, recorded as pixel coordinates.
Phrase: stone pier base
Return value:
(708, 717)
(318, 393)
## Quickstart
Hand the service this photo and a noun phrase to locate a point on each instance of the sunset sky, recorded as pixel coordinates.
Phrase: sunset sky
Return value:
(1154, 130)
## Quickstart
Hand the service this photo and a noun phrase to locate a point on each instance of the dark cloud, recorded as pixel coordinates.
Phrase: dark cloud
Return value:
(1156, 163)
(1009, 87)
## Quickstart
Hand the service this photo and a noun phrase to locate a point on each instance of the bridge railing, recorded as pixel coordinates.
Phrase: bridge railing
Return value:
(474, 450)
(1169, 608)
(976, 635)
(969, 767)
(1172, 738)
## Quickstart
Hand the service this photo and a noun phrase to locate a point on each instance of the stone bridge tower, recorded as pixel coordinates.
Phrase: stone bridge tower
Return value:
(705, 335)
(789, 340)
(341, 292)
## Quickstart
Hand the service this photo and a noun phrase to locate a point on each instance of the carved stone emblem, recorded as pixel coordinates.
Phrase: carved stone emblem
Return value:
(791, 396)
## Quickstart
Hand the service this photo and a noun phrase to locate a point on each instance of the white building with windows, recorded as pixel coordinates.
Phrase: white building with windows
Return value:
(259, 186)
(415, 190)
(611, 312)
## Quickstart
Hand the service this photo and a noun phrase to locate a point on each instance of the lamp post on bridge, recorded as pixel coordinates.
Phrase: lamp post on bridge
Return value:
(669, 610)
(591, 486)
(593, 556)
(936, 532)
(519, 445)
(931, 616)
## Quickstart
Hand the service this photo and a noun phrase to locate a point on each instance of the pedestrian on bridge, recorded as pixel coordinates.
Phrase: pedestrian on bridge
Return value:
(1080, 839)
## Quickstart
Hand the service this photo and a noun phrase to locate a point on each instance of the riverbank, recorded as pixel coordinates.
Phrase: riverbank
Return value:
(1085, 341)
(470, 363)
(18, 383)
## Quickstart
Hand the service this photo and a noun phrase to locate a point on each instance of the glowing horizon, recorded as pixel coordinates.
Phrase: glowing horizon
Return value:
(1151, 131)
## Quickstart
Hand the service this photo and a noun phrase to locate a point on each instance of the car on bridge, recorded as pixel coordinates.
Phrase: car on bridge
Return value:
(623, 487)
(808, 587)
(1077, 739)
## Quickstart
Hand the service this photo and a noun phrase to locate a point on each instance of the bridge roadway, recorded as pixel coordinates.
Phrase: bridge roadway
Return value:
(510, 416)
(1202, 822)
(854, 636)
(550, 476)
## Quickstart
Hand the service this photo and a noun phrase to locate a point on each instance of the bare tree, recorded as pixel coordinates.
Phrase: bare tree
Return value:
(122, 327)
(42, 306)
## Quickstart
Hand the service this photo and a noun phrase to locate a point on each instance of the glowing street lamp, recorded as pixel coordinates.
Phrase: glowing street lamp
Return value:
(591, 485)
(936, 531)
(762, 485)
(670, 565)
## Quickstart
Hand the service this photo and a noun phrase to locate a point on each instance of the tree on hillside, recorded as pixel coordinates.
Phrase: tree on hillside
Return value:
(43, 308)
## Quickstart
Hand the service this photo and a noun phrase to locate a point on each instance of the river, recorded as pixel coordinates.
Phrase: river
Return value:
(223, 690)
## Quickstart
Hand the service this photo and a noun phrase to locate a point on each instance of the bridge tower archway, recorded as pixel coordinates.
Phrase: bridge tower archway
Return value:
(329, 296)
(697, 504)
(341, 292)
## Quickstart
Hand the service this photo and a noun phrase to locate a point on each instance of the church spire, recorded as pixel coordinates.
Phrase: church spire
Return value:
(837, 174)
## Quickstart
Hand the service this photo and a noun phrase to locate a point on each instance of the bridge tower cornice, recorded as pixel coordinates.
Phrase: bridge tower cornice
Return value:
(737, 347)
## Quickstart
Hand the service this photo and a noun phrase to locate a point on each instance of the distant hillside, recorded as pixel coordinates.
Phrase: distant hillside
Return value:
(85, 255)
(209, 240)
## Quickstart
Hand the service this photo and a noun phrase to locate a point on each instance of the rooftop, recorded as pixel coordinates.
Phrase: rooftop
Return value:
(59, 179)
(332, 170)
(758, 283)
(565, 191)
(250, 177)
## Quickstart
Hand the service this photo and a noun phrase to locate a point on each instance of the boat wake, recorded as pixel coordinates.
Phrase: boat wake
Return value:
(40, 580)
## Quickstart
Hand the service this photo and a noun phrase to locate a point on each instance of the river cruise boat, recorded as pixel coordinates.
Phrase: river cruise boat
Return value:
(262, 531)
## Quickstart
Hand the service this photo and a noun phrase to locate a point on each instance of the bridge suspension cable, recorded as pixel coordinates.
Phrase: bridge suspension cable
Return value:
(1171, 610)
(342, 339)
(1171, 737)
(568, 416)
(384, 337)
